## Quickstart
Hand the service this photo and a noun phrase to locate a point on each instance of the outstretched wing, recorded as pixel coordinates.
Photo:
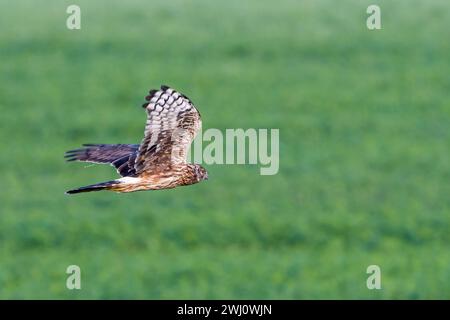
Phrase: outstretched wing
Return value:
(121, 156)
(172, 123)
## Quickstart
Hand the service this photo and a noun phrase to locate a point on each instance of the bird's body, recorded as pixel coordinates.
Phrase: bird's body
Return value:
(159, 162)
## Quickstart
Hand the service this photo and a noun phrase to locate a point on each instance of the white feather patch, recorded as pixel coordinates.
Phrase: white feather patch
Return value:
(129, 180)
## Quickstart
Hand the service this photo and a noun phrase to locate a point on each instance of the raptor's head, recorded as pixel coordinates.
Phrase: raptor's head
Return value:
(200, 173)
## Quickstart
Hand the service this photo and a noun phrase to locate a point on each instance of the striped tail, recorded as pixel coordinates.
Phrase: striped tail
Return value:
(94, 187)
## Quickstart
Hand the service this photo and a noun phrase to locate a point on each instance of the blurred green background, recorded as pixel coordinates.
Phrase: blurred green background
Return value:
(364, 149)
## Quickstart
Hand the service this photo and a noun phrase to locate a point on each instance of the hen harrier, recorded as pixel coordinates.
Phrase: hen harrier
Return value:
(159, 162)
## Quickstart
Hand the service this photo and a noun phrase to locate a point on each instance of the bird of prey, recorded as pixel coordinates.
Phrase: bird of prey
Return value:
(159, 162)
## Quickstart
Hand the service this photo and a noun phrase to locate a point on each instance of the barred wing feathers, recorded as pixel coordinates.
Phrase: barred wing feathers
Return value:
(172, 124)
(120, 156)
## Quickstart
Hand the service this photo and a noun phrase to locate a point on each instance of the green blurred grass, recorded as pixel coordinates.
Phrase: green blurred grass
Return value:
(364, 168)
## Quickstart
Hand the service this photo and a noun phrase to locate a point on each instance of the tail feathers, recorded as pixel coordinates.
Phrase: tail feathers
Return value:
(94, 187)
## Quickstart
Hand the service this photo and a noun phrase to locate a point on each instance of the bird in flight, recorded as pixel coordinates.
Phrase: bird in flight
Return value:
(159, 162)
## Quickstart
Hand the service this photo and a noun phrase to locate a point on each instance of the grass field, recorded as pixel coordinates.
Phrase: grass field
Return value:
(364, 149)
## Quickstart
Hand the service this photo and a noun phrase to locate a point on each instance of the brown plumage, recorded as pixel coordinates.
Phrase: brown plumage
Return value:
(159, 162)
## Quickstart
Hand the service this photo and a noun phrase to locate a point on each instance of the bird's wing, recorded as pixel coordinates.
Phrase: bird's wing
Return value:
(121, 156)
(172, 123)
